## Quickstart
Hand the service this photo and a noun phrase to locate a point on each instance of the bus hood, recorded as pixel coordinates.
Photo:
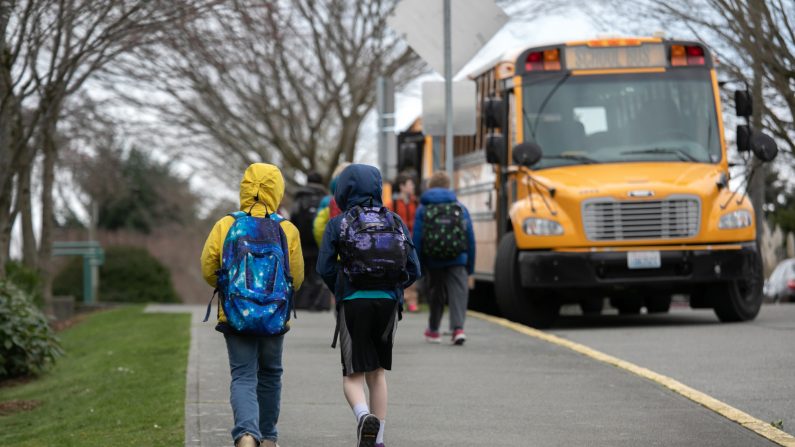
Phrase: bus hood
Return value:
(622, 179)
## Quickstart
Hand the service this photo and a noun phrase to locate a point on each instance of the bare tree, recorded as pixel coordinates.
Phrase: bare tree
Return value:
(286, 82)
(50, 48)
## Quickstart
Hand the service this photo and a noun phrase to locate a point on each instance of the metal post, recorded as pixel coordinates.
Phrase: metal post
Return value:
(437, 153)
(93, 237)
(448, 91)
(88, 298)
(387, 142)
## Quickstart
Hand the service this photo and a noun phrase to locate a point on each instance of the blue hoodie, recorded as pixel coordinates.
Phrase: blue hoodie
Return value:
(356, 185)
(467, 258)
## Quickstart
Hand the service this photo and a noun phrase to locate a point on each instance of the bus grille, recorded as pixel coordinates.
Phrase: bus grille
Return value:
(613, 220)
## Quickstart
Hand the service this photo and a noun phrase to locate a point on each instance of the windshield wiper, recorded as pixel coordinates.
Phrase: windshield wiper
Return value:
(580, 158)
(682, 154)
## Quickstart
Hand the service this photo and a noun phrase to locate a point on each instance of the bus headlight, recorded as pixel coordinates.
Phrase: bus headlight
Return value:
(735, 220)
(541, 227)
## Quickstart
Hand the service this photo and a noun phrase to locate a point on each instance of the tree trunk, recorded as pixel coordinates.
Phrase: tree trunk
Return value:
(50, 149)
(756, 185)
(25, 206)
(5, 232)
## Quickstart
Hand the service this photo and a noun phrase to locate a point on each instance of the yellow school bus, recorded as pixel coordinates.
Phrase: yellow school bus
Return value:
(600, 170)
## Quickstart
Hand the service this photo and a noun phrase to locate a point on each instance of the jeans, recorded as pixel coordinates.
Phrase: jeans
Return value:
(256, 366)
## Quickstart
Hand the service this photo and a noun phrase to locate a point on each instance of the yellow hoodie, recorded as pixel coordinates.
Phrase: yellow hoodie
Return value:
(261, 191)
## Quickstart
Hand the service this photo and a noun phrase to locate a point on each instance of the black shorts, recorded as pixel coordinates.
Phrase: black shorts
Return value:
(367, 329)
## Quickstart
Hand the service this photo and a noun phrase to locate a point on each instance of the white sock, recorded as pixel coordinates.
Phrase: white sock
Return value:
(380, 438)
(360, 411)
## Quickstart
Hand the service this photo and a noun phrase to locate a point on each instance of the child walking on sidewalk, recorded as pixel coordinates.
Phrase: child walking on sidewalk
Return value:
(444, 238)
(367, 259)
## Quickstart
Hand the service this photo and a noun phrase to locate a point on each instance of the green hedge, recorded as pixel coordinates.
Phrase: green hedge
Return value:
(28, 344)
(129, 274)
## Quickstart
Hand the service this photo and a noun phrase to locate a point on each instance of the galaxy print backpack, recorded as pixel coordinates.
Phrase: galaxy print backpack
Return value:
(373, 248)
(254, 282)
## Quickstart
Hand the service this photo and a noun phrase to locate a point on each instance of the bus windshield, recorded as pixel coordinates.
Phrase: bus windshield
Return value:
(614, 118)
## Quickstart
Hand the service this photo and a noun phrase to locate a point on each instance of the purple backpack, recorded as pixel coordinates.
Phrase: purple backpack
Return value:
(373, 248)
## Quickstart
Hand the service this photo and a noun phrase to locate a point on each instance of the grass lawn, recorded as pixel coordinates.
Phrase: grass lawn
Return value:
(121, 382)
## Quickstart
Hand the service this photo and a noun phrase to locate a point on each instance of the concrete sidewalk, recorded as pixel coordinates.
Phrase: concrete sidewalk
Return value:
(501, 389)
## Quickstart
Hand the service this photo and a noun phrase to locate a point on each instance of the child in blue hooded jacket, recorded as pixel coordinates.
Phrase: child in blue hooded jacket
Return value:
(367, 319)
(447, 276)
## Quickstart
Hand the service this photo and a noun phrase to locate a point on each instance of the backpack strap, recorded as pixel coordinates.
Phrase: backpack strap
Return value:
(286, 250)
(210, 305)
(336, 328)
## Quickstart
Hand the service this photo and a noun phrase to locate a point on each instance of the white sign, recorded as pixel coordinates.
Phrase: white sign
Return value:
(464, 108)
(473, 23)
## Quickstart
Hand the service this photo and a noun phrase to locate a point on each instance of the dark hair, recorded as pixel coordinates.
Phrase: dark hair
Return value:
(403, 177)
(314, 177)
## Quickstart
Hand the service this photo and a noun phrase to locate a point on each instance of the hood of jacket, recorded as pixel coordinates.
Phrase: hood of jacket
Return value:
(263, 184)
(357, 185)
(437, 195)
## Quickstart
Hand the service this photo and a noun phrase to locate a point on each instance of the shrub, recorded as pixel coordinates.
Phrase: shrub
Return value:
(28, 344)
(129, 274)
(27, 279)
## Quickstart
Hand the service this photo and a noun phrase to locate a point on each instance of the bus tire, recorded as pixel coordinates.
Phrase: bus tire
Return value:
(740, 299)
(658, 303)
(592, 306)
(514, 301)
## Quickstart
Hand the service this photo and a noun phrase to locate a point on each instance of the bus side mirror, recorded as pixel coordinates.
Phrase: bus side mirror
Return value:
(526, 154)
(494, 112)
(743, 138)
(743, 103)
(495, 149)
(763, 146)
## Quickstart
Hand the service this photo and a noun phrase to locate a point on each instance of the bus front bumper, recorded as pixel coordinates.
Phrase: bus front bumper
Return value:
(553, 269)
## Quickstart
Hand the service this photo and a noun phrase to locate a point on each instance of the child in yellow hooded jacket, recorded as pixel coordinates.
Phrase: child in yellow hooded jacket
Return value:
(254, 361)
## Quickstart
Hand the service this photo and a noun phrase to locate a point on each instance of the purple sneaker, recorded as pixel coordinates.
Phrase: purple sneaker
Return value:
(379, 445)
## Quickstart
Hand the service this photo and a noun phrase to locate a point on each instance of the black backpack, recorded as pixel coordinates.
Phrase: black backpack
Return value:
(303, 214)
(444, 231)
(373, 248)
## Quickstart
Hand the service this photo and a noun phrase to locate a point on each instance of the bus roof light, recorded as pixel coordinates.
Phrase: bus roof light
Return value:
(543, 60)
(695, 55)
(678, 56)
(535, 61)
(687, 55)
(552, 59)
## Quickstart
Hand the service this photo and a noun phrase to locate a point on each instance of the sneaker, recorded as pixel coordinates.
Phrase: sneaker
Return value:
(380, 444)
(432, 336)
(246, 441)
(413, 308)
(459, 337)
(368, 430)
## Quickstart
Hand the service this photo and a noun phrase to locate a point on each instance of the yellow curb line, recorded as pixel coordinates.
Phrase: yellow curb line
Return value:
(751, 423)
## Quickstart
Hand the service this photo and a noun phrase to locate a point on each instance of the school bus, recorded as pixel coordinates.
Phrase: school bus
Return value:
(600, 170)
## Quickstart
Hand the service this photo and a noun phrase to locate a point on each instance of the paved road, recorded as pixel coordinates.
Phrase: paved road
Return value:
(750, 366)
(501, 389)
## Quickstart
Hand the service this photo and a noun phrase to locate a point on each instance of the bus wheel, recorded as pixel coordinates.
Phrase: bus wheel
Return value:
(626, 305)
(514, 301)
(658, 304)
(592, 306)
(740, 299)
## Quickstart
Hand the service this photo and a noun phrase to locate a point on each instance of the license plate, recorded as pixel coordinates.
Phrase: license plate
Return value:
(643, 259)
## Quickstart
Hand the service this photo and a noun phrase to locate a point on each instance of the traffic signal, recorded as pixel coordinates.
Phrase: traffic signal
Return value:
(410, 150)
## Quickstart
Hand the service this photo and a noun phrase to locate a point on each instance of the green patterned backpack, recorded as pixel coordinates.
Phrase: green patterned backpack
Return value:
(444, 231)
